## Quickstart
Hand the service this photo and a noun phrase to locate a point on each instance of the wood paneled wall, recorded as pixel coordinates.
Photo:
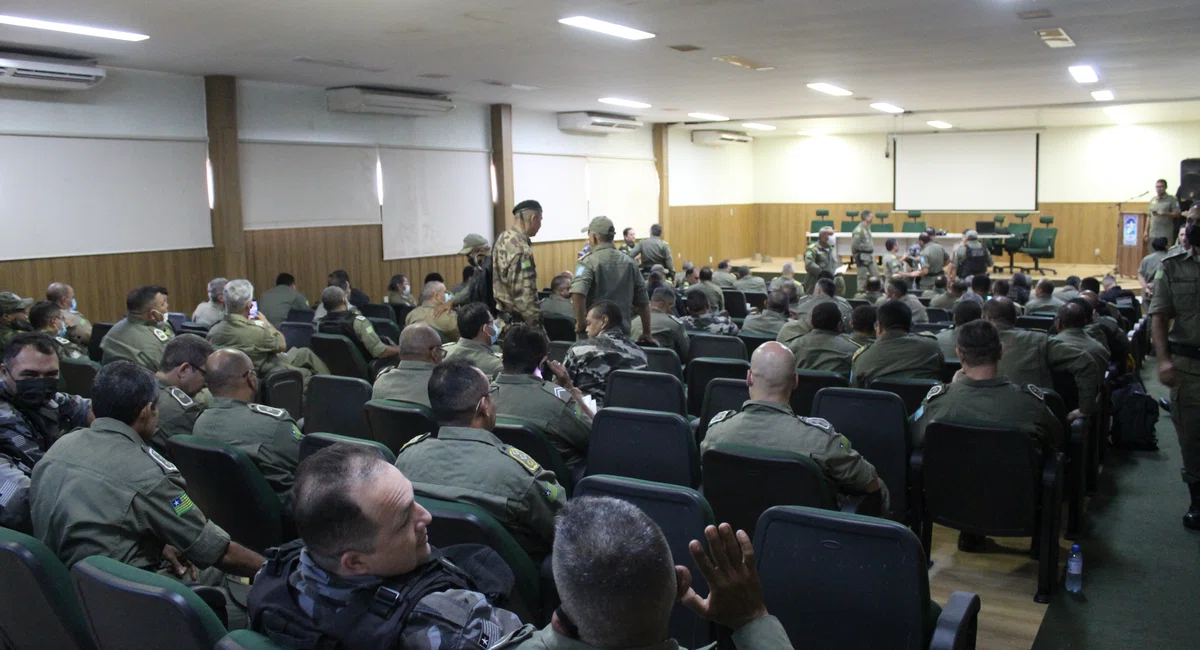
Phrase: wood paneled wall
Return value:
(718, 231)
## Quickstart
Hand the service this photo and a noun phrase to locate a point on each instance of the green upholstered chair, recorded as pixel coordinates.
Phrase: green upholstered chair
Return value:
(341, 355)
(1041, 246)
(247, 640)
(849, 226)
(1018, 237)
(1021, 216)
(663, 360)
(531, 439)
(78, 375)
(393, 423)
(914, 214)
(883, 227)
(913, 226)
(882, 216)
(852, 213)
(822, 213)
(40, 608)
(316, 441)
(334, 404)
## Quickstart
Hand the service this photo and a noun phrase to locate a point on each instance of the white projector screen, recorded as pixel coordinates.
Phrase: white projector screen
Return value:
(432, 199)
(573, 190)
(965, 172)
(307, 185)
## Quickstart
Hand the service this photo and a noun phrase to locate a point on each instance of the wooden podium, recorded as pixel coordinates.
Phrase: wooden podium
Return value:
(1131, 229)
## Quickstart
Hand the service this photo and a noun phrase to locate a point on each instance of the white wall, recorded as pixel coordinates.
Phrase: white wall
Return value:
(826, 169)
(537, 132)
(709, 175)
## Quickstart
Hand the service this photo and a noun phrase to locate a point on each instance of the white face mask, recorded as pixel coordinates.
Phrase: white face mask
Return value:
(407, 290)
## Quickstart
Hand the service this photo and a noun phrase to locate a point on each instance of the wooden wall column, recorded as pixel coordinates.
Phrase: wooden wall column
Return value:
(229, 247)
(663, 167)
(502, 161)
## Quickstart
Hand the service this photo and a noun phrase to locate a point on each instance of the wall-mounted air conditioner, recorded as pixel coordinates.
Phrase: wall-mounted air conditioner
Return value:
(358, 99)
(716, 138)
(47, 74)
(596, 123)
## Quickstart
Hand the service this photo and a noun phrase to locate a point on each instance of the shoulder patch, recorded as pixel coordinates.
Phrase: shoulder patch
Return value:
(296, 433)
(818, 423)
(268, 410)
(721, 417)
(181, 397)
(1036, 392)
(62, 341)
(360, 317)
(161, 335)
(558, 391)
(414, 441)
(935, 391)
(163, 462)
(182, 504)
(858, 352)
(522, 458)
(580, 269)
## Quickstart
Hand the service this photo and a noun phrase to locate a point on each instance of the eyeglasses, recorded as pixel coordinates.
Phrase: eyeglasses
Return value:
(493, 389)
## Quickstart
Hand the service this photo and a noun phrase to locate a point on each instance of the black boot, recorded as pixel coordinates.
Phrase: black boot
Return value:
(1192, 518)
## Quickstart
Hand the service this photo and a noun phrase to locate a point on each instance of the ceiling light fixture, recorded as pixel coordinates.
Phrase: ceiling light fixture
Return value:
(743, 62)
(887, 108)
(938, 124)
(612, 29)
(830, 89)
(712, 117)
(1084, 74)
(627, 103)
(352, 65)
(71, 29)
(1103, 95)
(758, 127)
(1119, 114)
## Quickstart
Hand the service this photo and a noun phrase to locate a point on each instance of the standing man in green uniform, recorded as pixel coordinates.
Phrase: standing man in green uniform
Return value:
(819, 257)
(1176, 313)
(607, 274)
(467, 463)
(420, 351)
(1149, 266)
(79, 328)
(269, 436)
(666, 329)
(1164, 210)
(824, 347)
(47, 318)
(654, 251)
(971, 257)
(143, 334)
(629, 237)
(862, 247)
(276, 302)
(104, 491)
(514, 283)
(933, 262)
(896, 353)
(180, 379)
(479, 333)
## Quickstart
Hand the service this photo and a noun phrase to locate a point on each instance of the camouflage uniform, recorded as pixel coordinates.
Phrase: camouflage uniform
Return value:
(987, 402)
(862, 247)
(477, 353)
(550, 407)
(267, 435)
(897, 354)
(25, 435)
(818, 258)
(768, 323)
(824, 350)
(710, 323)
(473, 466)
(138, 341)
(607, 274)
(177, 415)
(261, 344)
(667, 331)
(589, 362)
(408, 382)
(654, 251)
(515, 276)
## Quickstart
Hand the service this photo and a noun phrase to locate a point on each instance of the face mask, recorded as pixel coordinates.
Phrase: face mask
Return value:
(33, 393)
(495, 333)
(62, 331)
(73, 304)
(407, 290)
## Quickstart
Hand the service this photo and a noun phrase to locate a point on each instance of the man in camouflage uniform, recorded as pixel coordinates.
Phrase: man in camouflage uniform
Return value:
(556, 406)
(896, 353)
(180, 380)
(700, 319)
(772, 319)
(767, 420)
(1176, 330)
(824, 347)
(479, 332)
(823, 292)
(589, 362)
(340, 320)
(143, 334)
(664, 326)
(420, 351)
(515, 281)
(14, 316)
(654, 251)
(862, 248)
(32, 417)
(607, 274)
(467, 463)
(79, 328)
(933, 262)
(269, 436)
(47, 318)
(819, 256)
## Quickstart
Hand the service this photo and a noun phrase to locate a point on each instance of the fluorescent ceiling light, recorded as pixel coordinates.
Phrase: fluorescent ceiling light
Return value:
(758, 127)
(628, 103)
(1120, 114)
(712, 117)
(887, 108)
(938, 124)
(1084, 74)
(1103, 95)
(830, 89)
(612, 29)
(71, 29)
(743, 62)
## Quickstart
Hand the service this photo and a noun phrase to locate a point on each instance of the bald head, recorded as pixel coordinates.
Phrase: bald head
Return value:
(1091, 297)
(772, 373)
(417, 343)
(1001, 311)
(1072, 316)
(227, 372)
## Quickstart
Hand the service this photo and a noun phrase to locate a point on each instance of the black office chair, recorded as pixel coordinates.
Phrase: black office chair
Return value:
(938, 315)
(753, 341)
(199, 329)
(99, 331)
(386, 328)
(871, 570)
(283, 389)
(950, 367)
(314, 442)
(1041, 246)
(176, 320)
(78, 375)
(925, 302)
(722, 394)
(663, 360)
(1079, 447)
(40, 608)
(650, 391)
(705, 369)
(341, 355)
(335, 405)
(531, 439)
(393, 423)
(401, 312)
(811, 381)
(301, 315)
(911, 391)
(298, 334)
(735, 303)
(378, 310)
(559, 328)
(1039, 323)
(932, 328)
(647, 445)
(717, 346)
(558, 350)
(756, 299)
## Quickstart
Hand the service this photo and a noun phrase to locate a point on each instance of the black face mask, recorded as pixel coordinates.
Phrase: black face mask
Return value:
(34, 393)
(21, 325)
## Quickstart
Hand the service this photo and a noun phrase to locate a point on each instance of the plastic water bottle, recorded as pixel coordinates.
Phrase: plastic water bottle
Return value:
(1075, 570)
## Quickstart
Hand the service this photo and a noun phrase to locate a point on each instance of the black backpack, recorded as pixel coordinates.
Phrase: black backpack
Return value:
(1134, 415)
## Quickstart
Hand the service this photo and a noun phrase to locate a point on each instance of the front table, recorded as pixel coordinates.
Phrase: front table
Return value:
(841, 240)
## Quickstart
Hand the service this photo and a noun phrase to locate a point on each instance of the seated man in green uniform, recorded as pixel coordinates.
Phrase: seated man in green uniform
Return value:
(716, 297)
(559, 300)
(267, 435)
(767, 420)
(478, 332)
(79, 328)
(180, 379)
(824, 347)
(257, 337)
(723, 276)
(897, 289)
(824, 291)
(787, 277)
(964, 312)
(14, 316)
(467, 463)
(897, 352)
(399, 291)
(939, 283)
(104, 491)
(954, 291)
(872, 290)
(276, 302)
(618, 585)
(556, 406)
(862, 325)
(341, 320)
(1070, 323)
(747, 282)
(664, 326)
(420, 351)
(143, 334)
(47, 318)
(770, 320)
(431, 312)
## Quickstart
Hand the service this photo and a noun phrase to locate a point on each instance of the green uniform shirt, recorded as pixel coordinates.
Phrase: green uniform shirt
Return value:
(818, 258)
(861, 242)
(1048, 305)
(473, 466)
(775, 426)
(667, 331)
(780, 282)
(751, 283)
(477, 353)
(408, 381)
(862, 339)
(801, 325)
(765, 632)
(1030, 357)
(986, 403)
(250, 336)
(556, 304)
(69, 350)
(1149, 265)
(1066, 293)
(653, 251)
(447, 323)
(1177, 297)
(364, 332)
(895, 355)
(716, 297)
(1077, 338)
(138, 341)
(269, 436)
(177, 415)
(891, 266)
(607, 274)
(943, 301)
(767, 323)
(870, 296)
(397, 298)
(934, 257)
(1163, 226)
(948, 340)
(919, 315)
(79, 328)
(549, 406)
(824, 350)
(724, 279)
(276, 302)
(103, 491)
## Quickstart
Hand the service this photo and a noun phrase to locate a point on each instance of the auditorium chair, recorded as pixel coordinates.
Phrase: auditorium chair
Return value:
(822, 221)
(650, 391)
(858, 302)
(931, 327)
(1078, 436)
(1041, 246)
(809, 382)
(925, 302)
(849, 226)
(914, 223)
(176, 320)
(127, 607)
(246, 640)
(663, 360)
(1038, 323)
(682, 514)
(874, 584)
(705, 369)
(558, 350)
(341, 355)
(387, 329)
(938, 315)
(531, 439)
(879, 226)
(298, 334)
(378, 310)
(753, 341)
(756, 299)
(717, 346)
(301, 315)
(314, 442)
(647, 445)
(995, 482)
(199, 329)
(78, 375)
(40, 609)
(949, 368)
(853, 214)
(335, 405)
(1018, 236)
(1022, 216)
(231, 491)
(393, 423)
(283, 389)
(401, 311)
(735, 304)
(99, 331)
(722, 394)
(911, 391)
(559, 328)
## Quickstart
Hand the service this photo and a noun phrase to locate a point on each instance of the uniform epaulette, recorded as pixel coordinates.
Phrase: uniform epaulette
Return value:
(935, 391)
(360, 317)
(1036, 392)
(423, 436)
(928, 335)
(819, 423)
(857, 352)
(62, 341)
(268, 410)
(158, 458)
(721, 417)
(161, 335)
(557, 391)
(521, 457)
(181, 397)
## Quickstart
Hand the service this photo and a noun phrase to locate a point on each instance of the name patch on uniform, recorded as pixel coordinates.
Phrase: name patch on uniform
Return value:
(551, 491)
(267, 410)
(414, 441)
(161, 335)
(1036, 392)
(523, 458)
(181, 397)
(62, 341)
(163, 462)
(182, 504)
(721, 417)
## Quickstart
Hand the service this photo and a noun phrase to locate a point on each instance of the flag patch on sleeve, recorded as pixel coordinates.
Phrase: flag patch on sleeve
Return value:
(182, 504)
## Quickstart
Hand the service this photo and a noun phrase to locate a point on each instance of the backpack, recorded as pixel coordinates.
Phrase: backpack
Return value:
(1134, 415)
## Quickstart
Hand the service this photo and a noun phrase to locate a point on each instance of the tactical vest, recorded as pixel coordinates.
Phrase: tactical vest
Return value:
(480, 289)
(342, 322)
(371, 620)
(975, 262)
